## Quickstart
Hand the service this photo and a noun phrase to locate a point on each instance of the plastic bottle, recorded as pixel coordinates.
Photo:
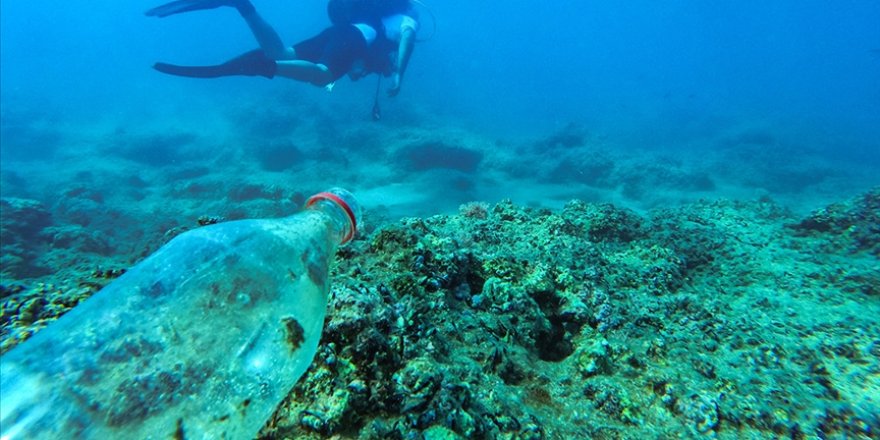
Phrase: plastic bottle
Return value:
(201, 340)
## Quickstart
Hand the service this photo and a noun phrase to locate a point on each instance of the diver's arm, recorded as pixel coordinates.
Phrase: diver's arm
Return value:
(404, 52)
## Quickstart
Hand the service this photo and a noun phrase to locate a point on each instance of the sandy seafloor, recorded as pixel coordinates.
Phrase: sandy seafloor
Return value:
(546, 286)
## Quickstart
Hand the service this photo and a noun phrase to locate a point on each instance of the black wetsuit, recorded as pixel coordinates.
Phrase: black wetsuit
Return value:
(378, 57)
(337, 47)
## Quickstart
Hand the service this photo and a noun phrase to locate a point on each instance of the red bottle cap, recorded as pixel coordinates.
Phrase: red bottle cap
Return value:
(342, 204)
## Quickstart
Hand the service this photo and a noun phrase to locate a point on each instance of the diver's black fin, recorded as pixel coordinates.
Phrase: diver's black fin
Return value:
(179, 6)
(190, 71)
(253, 63)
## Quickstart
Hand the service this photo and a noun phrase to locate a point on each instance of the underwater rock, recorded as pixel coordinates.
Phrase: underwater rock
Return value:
(157, 149)
(595, 358)
(22, 238)
(701, 410)
(440, 433)
(856, 222)
(83, 192)
(474, 210)
(278, 155)
(365, 139)
(570, 136)
(252, 191)
(417, 383)
(758, 159)
(613, 401)
(714, 319)
(23, 218)
(79, 239)
(603, 223)
(205, 220)
(269, 121)
(639, 179)
(696, 234)
(436, 154)
(11, 289)
(82, 208)
(186, 172)
(594, 168)
(657, 270)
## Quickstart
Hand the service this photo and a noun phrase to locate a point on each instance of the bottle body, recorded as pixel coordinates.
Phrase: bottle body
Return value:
(202, 339)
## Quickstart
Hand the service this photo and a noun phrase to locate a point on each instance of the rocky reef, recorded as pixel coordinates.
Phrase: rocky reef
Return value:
(717, 319)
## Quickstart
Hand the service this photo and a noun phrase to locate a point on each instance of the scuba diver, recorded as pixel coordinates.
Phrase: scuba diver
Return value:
(397, 24)
(366, 36)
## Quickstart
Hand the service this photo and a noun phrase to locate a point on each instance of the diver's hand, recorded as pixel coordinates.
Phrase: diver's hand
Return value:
(394, 88)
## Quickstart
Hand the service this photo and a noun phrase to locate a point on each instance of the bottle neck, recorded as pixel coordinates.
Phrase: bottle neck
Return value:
(340, 222)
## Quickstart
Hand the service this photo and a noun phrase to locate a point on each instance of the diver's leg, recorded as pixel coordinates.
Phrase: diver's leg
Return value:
(180, 6)
(306, 71)
(263, 32)
(266, 35)
(255, 63)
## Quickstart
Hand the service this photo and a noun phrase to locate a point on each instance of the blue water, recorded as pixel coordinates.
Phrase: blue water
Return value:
(641, 104)
(685, 78)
